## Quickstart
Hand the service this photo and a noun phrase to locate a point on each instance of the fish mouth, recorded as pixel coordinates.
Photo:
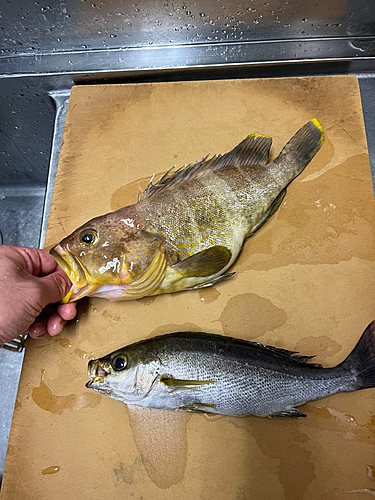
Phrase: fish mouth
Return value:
(75, 271)
(96, 373)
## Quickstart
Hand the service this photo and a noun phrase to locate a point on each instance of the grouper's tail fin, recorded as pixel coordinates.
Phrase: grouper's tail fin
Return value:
(302, 147)
(362, 359)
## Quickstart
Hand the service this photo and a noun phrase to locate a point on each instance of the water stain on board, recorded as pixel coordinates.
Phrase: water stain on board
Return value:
(323, 222)
(83, 354)
(318, 346)
(370, 470)
(125, 473)
(330, 419)
(174, 327)
(161, 439)
(46, 400)
(146, 301)
(250, 314)
(209, 294)
(63, 342)
(114, 318)
(128, 195)
(51, 470)
(283, 441)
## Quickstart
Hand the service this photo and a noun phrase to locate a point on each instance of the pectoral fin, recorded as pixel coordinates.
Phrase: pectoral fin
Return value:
(184, 385)
(223, 277)
(205, 263)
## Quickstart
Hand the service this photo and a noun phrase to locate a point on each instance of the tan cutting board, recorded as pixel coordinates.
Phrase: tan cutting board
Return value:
(305, 282)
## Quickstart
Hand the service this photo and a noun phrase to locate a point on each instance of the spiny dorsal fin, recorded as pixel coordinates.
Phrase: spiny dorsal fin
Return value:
(253, 150)
(283, 353)
(288, 354)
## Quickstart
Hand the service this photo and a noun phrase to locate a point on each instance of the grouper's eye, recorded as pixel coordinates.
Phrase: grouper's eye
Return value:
(119, 362)
(88, 237)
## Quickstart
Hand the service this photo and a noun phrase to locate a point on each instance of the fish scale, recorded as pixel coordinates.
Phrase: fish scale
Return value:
(216, 374)
(188, 228)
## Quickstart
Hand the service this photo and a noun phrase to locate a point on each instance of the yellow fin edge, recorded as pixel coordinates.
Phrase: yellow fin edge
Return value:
(258, 135)
(318, 125)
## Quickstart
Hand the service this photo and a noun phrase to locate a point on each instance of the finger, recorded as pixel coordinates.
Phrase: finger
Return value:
(49, 310)
(67, 311)
(55, 287)
(55, 324)
(38, 262)
(47, 263)
(38, 329)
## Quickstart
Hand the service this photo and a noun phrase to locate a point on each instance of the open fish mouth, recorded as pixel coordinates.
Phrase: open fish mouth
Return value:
(75, 272)
(96, 373)
(100, 380)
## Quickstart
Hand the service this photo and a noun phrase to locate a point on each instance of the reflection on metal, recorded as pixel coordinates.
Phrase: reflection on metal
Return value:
(70, 26)
(200, 56)
(17, 344)
(61, 100)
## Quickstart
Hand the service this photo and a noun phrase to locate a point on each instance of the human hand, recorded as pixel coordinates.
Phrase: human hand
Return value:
(31, 285)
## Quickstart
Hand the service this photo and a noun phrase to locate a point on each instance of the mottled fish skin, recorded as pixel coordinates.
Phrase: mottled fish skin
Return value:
(214, 374)
(203, 211)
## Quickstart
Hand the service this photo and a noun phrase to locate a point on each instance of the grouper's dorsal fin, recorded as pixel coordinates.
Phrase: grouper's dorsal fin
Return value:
(253, 150)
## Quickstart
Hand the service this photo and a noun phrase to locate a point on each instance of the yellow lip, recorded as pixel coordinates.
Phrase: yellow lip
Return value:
(74, 270)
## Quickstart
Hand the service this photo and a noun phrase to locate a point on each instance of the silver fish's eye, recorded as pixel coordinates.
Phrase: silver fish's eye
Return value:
(119, 362)
(88, 237)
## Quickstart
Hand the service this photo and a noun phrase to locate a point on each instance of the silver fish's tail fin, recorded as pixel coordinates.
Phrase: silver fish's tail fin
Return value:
(302, 147)
(362, 359)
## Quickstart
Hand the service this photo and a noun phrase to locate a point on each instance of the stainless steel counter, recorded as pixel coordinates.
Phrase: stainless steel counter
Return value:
(48, 47)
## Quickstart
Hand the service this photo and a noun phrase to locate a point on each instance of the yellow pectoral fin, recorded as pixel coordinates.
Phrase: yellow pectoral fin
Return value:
(205, 263)
(150, 280)
(184, 385)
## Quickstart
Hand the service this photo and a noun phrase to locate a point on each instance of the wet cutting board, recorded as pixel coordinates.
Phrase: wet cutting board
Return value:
(304, 282)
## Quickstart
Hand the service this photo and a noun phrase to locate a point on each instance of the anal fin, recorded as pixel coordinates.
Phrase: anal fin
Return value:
(198, 408)
(291, 413)
(271, 211)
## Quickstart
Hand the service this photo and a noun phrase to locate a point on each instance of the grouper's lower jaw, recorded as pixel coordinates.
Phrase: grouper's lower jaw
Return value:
(76, 274)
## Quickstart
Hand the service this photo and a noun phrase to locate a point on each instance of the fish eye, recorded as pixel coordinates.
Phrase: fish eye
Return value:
(119, 362)
(88, 237)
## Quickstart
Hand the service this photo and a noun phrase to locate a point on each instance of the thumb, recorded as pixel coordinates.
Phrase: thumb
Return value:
(55, 287)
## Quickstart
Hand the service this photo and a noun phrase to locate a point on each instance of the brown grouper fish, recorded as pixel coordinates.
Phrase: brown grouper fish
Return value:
(186, 230)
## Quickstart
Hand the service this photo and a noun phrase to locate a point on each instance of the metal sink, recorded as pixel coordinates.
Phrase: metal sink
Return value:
(48, 47)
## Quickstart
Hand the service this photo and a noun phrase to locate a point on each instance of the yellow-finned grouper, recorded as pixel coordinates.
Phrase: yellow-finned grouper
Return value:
(186, 230)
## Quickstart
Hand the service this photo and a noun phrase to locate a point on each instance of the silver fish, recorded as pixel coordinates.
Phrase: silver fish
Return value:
(207, 373)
